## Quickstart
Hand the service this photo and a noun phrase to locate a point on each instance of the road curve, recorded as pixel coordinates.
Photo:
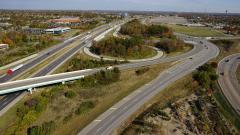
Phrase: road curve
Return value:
(227, 80)
(115, 116)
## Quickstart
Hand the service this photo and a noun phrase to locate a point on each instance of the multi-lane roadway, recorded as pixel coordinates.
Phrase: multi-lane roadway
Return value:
(202, 52)
(115, 116)
(8, 99)
(14, 86)
(228, 81)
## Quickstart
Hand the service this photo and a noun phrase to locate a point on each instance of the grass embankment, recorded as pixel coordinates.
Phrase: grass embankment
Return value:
(186, 48)
(196, 31)
(65, 109)
(227, 47)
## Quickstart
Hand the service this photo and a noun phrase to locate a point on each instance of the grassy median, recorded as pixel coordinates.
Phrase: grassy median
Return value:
(196, 31)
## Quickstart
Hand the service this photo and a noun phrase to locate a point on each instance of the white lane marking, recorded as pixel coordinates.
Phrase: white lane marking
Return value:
(148, 84)
(97, 120)
(113, 108)
(126, 99)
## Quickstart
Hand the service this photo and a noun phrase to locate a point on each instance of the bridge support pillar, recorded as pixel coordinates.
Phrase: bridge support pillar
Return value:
(30, 90)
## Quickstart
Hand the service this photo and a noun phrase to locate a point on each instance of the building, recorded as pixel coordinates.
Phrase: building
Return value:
(4, 46)
(66, 20)
(57, 30)
(36, 31)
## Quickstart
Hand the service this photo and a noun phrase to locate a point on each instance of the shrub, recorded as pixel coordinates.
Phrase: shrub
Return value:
(142, 70)
(84, 107)
(45, 129)
(170, 45)
(70, 94)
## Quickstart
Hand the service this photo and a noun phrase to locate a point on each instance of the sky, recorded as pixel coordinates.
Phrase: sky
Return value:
(233, 6)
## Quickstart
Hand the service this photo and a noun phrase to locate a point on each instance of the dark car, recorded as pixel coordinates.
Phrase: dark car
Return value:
(226, 60)
(222, 73)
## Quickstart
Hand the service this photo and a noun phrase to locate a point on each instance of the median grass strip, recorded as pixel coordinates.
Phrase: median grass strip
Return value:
(72, 114)
(196, 31)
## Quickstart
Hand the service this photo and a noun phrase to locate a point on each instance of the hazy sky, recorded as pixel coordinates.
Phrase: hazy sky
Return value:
(152, 5)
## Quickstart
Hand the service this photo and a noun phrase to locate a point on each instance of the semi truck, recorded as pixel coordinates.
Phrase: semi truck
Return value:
(12, 70)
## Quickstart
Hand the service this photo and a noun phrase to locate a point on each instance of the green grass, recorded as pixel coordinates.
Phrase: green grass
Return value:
(196, 31)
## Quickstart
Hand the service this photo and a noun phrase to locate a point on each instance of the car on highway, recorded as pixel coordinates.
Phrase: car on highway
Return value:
(222, 73)
(12, 70)
(226, 60)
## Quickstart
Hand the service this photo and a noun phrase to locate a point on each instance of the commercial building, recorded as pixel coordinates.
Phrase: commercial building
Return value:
(66, 20)
(36, 31)
(57, 30)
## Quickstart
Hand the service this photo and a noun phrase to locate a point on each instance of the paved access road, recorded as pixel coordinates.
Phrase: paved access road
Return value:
(228, 82)
(111, 119)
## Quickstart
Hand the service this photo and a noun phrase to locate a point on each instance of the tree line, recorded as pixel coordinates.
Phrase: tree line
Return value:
(118, 47)
(170, 45)
(135, 27)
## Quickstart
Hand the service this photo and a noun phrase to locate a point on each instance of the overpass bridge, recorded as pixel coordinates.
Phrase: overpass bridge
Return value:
(31, 83)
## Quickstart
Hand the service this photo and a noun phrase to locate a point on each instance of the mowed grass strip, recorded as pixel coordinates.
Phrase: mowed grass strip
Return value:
(196, 31)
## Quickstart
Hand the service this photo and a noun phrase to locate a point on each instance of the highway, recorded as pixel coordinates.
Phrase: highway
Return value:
(27, 83)
(227, 80)
(8, 99)
(113, 118)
